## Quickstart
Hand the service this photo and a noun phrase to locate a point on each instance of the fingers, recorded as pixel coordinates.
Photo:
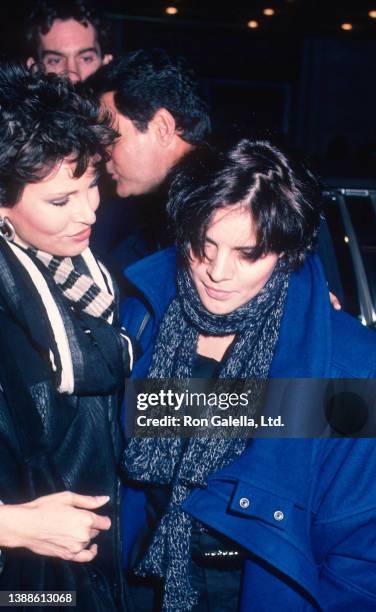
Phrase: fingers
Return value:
(99, 522)
(80, 556)
(85, 555)
(93, 533)
(85, 501)
(334, 301)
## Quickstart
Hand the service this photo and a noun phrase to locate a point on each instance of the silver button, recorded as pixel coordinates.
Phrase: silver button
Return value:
(244, 502)
(278, 515)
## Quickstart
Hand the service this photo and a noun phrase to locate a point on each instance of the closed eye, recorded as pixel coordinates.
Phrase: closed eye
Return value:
(61, 202)
(251, 254)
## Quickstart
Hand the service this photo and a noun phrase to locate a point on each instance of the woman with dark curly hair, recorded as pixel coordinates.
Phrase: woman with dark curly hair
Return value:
(263, 524)
(63, 358)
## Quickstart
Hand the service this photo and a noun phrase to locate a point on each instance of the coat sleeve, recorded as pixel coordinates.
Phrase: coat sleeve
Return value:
(344, 534)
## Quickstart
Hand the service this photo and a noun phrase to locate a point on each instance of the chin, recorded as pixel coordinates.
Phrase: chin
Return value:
(123, 193)
(124, 190)
(217, 307)
(72, 251)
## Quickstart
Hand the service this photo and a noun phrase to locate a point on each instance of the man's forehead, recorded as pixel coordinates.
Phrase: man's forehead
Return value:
(69, 35)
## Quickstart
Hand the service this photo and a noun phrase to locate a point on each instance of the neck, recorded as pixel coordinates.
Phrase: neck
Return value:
(214, 346)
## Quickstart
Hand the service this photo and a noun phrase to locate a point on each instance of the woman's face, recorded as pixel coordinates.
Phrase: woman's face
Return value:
(56, 214)
(225, 278)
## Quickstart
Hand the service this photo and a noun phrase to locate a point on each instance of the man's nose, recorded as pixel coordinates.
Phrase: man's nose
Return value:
(72, 71)
(110, 166)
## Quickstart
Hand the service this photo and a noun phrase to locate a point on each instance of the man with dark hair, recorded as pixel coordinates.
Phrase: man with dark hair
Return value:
(161, 118)
(69, 37)
(159, 115)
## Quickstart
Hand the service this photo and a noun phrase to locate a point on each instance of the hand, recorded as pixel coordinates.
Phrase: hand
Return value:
(334, 301)
(59, 525)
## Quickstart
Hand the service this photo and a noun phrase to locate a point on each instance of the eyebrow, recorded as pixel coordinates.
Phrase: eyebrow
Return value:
(60, 54)
(237, 248)
(63, 194)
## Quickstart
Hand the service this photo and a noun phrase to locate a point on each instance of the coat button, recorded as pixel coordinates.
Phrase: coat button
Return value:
(278, 515)
(244, 502)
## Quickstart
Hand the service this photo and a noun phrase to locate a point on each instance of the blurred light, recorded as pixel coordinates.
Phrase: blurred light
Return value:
(346, 26)
(346, 239)
(253, 24)
(372, 14)
(269, 12)
(171, 10)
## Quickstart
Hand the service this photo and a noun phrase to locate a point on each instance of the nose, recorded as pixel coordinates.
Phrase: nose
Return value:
(86, 210)
(72, 71)
(110, 166)
(220, 266)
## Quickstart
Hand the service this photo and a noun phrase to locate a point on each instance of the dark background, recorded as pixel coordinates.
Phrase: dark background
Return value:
(297, 74)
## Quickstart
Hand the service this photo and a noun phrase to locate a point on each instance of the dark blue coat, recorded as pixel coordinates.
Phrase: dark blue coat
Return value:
(322, 554)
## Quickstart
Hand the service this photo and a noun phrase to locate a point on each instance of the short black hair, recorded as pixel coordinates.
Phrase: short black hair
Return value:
(45, 12)
(147, 80)
(280, 193)
(43, 120)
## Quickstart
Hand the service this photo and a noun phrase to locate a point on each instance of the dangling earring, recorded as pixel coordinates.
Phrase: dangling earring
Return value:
(7, 230)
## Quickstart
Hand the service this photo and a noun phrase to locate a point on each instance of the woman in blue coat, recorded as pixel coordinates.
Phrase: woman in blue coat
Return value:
(296, 516)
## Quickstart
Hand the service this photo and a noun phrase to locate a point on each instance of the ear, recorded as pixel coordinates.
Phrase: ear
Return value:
(30, 62)
(164, 126)
(107, 58)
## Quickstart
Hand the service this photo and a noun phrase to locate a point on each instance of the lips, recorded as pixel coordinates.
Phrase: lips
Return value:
(84, 235)
(218, 294)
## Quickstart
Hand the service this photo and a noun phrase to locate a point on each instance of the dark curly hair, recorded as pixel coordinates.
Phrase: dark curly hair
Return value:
(43, 120)
(147, 80)
(281, 195)
(45, 12)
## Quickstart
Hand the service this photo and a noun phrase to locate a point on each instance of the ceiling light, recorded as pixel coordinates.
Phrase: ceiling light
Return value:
(269, 12)
(171, 10)
(372, 14)
(253, 24)
(346, 26)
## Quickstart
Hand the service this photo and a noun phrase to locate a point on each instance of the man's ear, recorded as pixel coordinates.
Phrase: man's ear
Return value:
(107, 58)
(164, 126)
(30, 62)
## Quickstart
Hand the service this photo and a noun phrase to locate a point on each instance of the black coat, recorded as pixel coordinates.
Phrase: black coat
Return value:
(52, 442)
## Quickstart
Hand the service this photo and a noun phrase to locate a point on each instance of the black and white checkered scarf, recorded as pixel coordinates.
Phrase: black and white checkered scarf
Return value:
(161, 460)
(87, 353)
(80, 289)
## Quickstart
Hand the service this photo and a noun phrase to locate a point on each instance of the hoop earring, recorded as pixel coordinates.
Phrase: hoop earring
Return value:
(7, 230)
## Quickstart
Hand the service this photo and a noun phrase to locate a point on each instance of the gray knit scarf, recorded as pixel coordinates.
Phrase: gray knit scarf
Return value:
(168, 460)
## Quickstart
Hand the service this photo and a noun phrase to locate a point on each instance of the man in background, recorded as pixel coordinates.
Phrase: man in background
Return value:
(69, 37)
(161, 118)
